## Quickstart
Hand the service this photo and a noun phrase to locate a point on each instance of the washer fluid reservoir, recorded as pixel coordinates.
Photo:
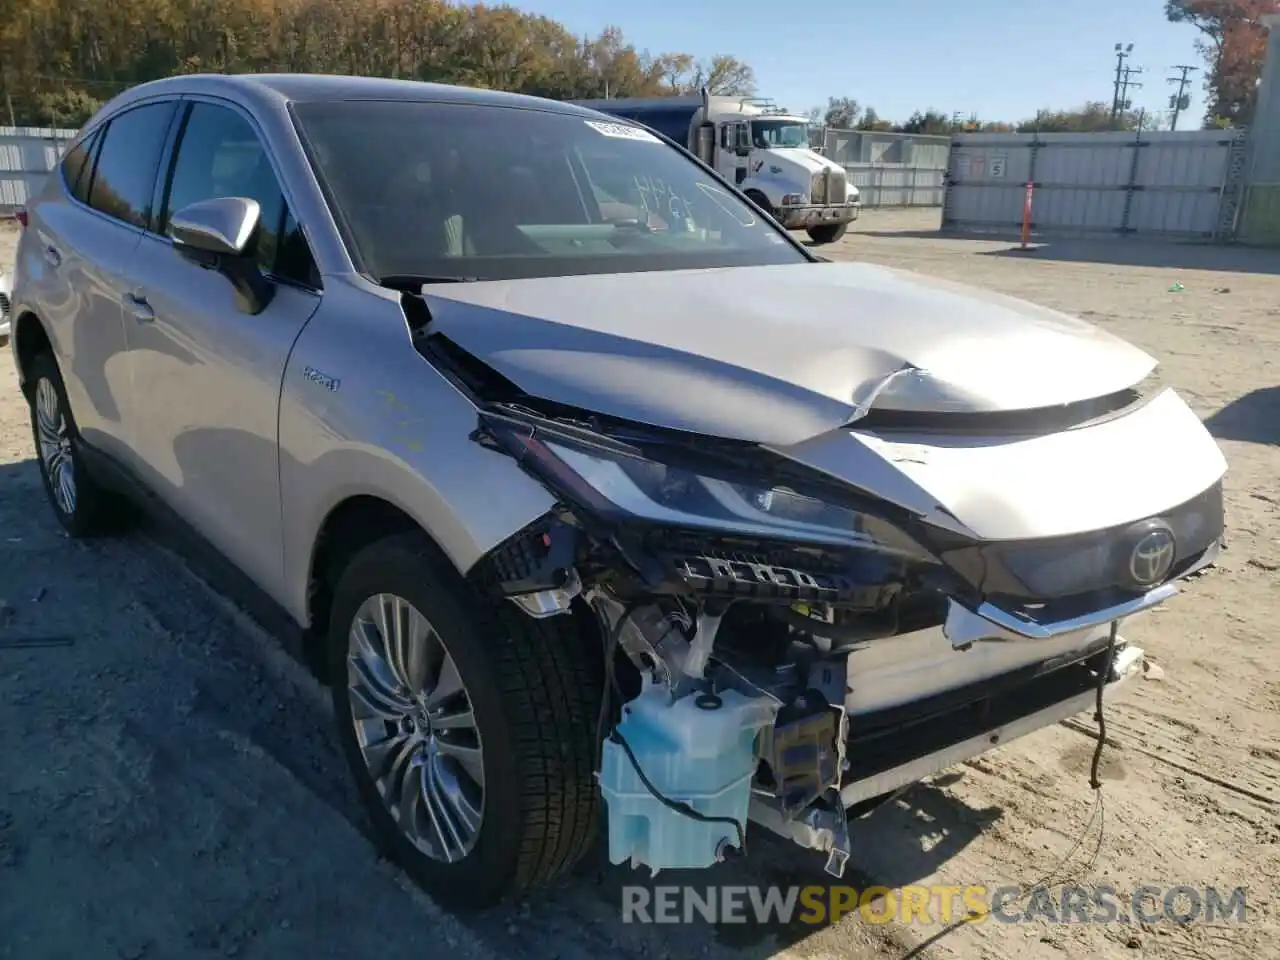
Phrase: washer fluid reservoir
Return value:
(698, 750)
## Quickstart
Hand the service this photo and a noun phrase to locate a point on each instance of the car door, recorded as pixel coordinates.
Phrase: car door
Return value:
(207, 374)
(85, 228)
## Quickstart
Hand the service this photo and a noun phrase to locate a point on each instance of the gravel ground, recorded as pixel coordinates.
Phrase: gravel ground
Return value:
(168, 786)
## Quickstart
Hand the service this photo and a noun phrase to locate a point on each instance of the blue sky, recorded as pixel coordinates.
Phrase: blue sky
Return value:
(1001, 58)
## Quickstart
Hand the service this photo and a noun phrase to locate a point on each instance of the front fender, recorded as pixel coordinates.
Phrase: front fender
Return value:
(362, 413)
(773, 186)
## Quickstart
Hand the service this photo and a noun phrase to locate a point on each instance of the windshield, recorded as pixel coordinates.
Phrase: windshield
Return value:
(779, 133)
(465, 191)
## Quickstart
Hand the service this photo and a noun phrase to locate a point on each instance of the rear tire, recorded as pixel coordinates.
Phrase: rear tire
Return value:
(83, 507)
(491, 776)
(828, 233)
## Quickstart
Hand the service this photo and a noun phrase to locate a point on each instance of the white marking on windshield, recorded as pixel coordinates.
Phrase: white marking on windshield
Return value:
(622, 131)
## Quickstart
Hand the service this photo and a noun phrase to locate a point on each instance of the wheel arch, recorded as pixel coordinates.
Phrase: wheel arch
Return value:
(30, 338)
(353, 523)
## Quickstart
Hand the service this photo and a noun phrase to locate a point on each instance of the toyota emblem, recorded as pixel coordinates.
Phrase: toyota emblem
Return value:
(1152, 555)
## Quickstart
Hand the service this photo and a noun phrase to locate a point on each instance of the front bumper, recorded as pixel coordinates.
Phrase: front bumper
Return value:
(921, 702)
(933, 698)
(885, 759)
(804, 217)
(887, 754)
(889, 758)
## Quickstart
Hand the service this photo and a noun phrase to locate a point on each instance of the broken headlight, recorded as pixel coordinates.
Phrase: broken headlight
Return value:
(623, 484)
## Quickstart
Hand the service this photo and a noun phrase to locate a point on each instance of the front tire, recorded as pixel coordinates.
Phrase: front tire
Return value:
(761, 201)
(83, 507)
(828, 232)
(468, 726)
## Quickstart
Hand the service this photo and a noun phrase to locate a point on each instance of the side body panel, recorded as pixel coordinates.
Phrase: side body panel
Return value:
(70, 271)
(362, 413)
(207, 373)
(207, 381)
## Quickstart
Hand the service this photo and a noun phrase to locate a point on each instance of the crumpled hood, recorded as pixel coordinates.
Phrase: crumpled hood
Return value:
(778, 354)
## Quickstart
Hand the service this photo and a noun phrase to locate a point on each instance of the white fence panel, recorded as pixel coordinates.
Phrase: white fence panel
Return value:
(27, 154)
(1171, 184)
(896, 184)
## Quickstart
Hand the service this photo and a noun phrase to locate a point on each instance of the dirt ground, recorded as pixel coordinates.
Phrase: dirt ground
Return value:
(168, 786)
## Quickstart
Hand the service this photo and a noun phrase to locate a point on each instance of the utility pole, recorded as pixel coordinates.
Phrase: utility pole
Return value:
(1181, 100)
(1126, 82)
(1122, 52)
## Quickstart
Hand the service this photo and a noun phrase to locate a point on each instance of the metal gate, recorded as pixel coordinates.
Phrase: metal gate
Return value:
(1180, 185)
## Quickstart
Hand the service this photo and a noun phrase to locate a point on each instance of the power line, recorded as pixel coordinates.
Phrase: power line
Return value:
(1181, 100)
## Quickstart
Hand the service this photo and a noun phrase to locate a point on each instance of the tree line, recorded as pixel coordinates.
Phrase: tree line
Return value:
(61, 59)
(1093, 117)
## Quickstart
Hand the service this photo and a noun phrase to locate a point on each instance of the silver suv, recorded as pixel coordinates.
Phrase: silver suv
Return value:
(576, 478)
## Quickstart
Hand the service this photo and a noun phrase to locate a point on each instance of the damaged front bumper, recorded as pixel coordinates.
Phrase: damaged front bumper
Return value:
(969, 730)
(926, 701)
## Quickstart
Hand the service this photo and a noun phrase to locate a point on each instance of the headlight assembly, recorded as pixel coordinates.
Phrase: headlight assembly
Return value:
(623, 485)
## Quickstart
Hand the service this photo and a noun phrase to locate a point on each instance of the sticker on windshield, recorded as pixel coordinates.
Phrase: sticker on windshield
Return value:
(622, 131)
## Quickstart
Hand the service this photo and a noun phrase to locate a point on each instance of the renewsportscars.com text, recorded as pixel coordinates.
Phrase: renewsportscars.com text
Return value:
(821, 905)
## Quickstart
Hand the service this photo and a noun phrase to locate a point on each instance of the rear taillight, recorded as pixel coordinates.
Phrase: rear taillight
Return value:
(21, 215)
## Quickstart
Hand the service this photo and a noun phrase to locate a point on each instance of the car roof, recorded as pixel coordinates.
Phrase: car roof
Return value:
(284, 88)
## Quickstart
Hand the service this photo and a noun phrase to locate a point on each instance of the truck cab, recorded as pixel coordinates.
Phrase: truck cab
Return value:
(758, 146)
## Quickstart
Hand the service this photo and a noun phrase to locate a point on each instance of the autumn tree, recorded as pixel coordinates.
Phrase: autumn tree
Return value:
(59, 59)
(1233, 42)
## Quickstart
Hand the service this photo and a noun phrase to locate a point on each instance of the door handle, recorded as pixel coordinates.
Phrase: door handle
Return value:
(138, 306)
(52, 256)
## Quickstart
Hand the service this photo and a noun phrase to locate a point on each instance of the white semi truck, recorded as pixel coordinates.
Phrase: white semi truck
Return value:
(760, 147)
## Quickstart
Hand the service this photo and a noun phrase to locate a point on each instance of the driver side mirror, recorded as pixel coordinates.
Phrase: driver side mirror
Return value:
(742, 139)
(217, 234)
(222, 226)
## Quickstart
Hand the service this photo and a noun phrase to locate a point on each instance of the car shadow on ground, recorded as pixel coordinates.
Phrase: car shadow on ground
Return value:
(1254, 418)
(236, 687)
(903, 842)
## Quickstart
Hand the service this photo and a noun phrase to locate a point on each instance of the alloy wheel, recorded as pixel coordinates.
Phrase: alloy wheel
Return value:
(55, 446)
(415, 727)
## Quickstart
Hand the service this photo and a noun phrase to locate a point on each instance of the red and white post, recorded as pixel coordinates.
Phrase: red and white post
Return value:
(1026, 214)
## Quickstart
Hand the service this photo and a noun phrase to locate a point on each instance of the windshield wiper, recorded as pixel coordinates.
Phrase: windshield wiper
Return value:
(412, 281)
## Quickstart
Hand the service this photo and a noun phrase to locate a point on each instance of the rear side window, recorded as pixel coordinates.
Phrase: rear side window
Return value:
(77, 166)
(125, 173)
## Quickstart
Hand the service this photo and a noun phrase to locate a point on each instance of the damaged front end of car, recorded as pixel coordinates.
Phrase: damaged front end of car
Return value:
(789, 647)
